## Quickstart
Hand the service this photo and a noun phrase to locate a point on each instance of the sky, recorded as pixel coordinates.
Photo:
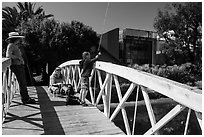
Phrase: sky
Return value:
(135, 15)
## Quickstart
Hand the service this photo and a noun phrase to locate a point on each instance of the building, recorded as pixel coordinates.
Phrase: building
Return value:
(130, 46)
(110, 46)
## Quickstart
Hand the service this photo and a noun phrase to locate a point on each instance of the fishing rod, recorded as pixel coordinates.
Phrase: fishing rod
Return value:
(104, 22)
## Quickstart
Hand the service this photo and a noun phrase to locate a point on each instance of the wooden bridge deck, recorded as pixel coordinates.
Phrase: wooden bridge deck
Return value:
(50, 116)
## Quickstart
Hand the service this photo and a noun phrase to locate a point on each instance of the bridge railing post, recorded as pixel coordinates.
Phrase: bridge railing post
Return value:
(124, 113)
(149, 107)
(107, 96)
(9, 86)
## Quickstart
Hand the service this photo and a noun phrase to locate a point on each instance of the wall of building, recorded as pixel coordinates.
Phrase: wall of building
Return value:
(107, 57)
(130, 46)
(110, 42)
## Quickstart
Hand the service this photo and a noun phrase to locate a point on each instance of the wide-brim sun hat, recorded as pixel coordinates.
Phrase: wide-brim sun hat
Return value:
(58, 69)
(14, 35)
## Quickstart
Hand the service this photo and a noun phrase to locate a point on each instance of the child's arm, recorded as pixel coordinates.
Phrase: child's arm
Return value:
(97, 56)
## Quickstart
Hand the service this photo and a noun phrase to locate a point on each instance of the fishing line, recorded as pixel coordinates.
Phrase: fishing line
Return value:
(104, 22)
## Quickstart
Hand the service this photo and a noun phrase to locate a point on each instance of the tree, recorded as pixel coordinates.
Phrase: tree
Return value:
(83, 39)
(12, 18)
(57, 42)
(27, 11)
(185, 20)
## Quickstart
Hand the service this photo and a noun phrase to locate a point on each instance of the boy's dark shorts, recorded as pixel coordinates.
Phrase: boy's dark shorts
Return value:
(85, 83)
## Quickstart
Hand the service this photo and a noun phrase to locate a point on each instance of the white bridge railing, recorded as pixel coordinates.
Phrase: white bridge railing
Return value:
(9, 86)
(185, 96)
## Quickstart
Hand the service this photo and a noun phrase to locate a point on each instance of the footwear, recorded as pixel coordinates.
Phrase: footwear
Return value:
(84, 104)
(29, 101)
(67, 101)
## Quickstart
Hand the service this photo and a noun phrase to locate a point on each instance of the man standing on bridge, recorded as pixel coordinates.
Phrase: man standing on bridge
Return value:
(86, 64)
(17, 65)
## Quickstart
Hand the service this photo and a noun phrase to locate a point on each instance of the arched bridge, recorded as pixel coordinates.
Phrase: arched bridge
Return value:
(108, 94)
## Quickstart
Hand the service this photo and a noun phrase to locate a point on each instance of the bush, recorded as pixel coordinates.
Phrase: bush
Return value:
(187, 73)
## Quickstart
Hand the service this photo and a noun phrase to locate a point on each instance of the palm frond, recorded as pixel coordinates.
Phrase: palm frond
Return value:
(39, 10)
(20, 6)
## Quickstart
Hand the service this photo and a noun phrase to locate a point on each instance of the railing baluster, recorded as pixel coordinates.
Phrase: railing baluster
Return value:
(107, 96)
(68, 74)
(102, 89)
(149, 107)
(73, 77)
(79, 75)
(124, 114)
(135, 113)
(127, 94)
(9, 86)
(5, 93)
(187, 121)
(174, 112)
(90, 88)
(99, 78)
(199, 118)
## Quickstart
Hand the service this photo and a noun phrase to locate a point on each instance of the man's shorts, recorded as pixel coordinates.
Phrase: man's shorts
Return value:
(85, 83)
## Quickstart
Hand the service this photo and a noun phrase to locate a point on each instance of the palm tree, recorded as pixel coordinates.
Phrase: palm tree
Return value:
(13, 17)
(27, 11)
(10, 19)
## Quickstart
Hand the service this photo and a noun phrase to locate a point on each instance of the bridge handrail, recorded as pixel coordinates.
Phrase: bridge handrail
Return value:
(186, 96)
(9, 86)
(183, 94)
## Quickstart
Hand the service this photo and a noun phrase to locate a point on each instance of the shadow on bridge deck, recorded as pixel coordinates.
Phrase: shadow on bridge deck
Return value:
(50, 116)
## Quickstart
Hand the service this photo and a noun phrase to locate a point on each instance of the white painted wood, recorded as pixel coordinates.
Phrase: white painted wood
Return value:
(79, 81)
(187, 121)
(183, 94)
(169, 116)
(179, 92)
(90, 88)
(68, 74)
(107, 96)
(69, 63)
(199, 118)
(149, 107)
(99, 78)
(135, 112)
(9, 86)
(102, 89)
(9, 77)
(73, 77)
(6, 62)
(120, 105)
(124, 114)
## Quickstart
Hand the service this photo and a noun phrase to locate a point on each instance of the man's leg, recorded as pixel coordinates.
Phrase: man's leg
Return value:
(20, 75)
(84, 95)
(80, 95)
(67, 93)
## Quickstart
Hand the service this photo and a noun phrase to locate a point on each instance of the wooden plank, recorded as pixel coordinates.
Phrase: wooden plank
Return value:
(23, 119)
(51, 117)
